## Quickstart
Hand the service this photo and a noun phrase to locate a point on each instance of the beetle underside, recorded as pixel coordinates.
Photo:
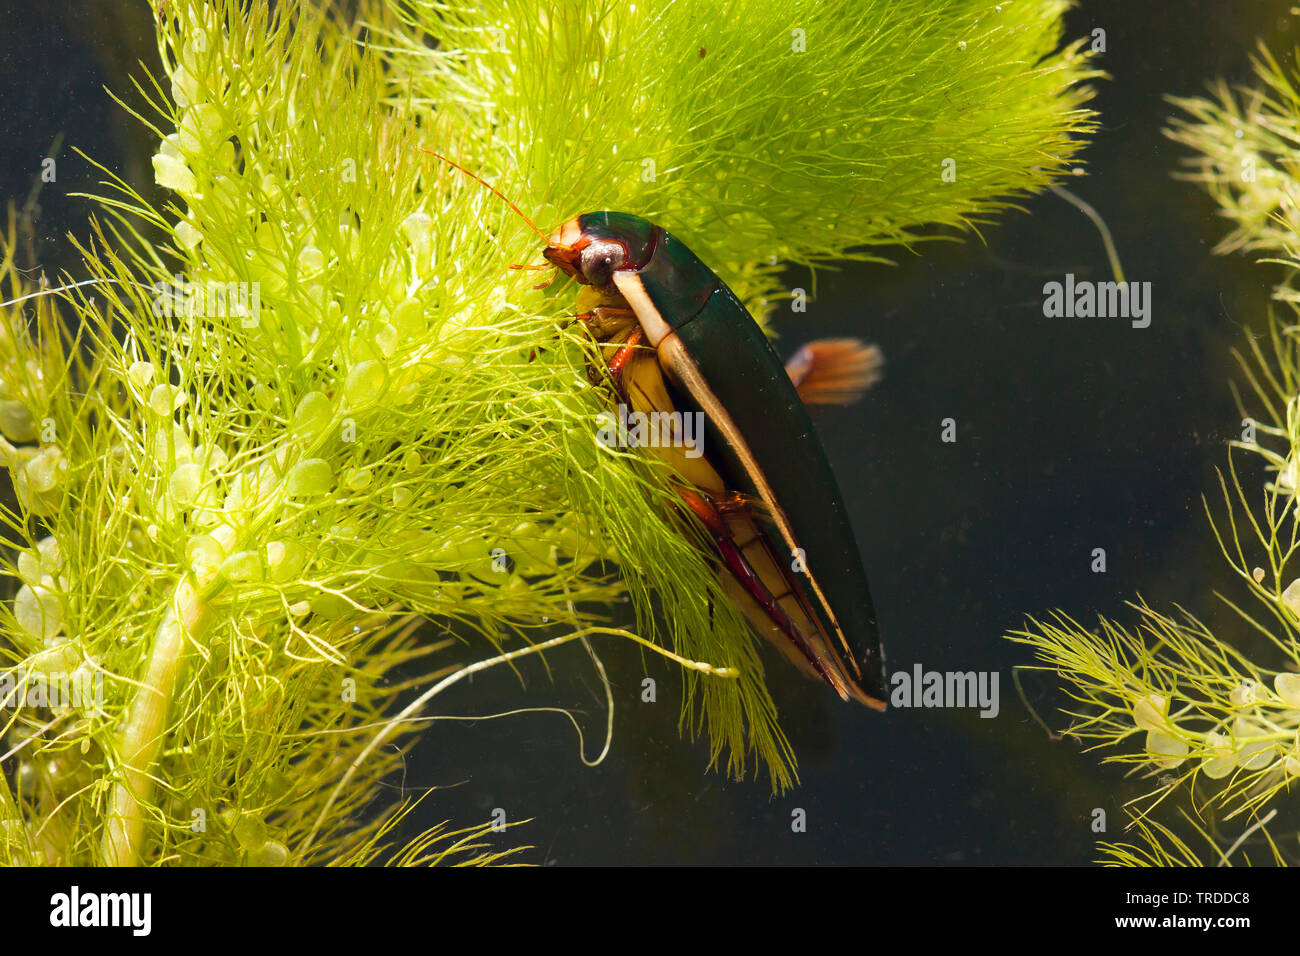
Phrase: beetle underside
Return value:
(756, 577)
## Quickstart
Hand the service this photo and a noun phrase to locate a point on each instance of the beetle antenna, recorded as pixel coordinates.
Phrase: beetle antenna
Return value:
(483, 182)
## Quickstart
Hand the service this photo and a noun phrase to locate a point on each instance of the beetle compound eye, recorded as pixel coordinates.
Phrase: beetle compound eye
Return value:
(600, 259)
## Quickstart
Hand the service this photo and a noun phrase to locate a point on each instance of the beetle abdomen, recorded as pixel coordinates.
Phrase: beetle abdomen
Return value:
(760, 439)
(736, 359)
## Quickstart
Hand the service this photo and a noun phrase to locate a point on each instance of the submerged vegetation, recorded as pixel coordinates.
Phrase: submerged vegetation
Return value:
(1217, 733)
(305, 407)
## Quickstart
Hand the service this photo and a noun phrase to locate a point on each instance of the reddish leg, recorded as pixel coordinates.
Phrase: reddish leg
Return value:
(744, 573)
(625, 352)
(606, 323)
(546, 265)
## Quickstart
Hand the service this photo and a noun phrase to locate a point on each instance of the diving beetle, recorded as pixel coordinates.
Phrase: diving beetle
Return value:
(682, 341)
(679, 340)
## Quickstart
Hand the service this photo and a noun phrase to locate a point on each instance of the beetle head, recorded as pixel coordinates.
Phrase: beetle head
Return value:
(595, 245)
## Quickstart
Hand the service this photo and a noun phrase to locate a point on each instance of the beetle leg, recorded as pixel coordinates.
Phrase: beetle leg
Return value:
(704, 510)
(834, 371)
(624, 353)
(737, 502)
(752, 584)
(609, 322)
(537, 268)
(614, 328)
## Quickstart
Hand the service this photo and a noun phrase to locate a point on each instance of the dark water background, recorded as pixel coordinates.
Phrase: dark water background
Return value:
(1072, 434)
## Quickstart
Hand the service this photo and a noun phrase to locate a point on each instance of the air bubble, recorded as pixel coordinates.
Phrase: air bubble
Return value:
(1244, 694)
(311, 261)
(1151, 713)
(185, 483)
(46, 469)
(285, 559)
(243, 566)
(173, 174)
(1288, 688)
(187, 235)
(38, 611)
(364, 383)
(1165, 751)
(313, 415)
(270, 853)
(309, 478)
(16, 421)
(140, 375)
(165, 399)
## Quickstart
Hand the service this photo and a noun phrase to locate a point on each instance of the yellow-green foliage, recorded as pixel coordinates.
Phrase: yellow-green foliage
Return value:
(1178, 701)
(236, 511)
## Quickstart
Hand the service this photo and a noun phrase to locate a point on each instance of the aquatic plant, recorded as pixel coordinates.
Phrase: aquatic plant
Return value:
(305, 406)
(1217, 733)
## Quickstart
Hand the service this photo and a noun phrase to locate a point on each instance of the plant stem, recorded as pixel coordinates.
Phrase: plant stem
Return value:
(390, 727)
(142, 736)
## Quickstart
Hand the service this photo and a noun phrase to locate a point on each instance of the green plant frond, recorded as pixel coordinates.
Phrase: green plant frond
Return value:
(1200, 707)
(776, 109)
(1162, 846)
(320, 410)
(437, 845)
(1210, 723)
